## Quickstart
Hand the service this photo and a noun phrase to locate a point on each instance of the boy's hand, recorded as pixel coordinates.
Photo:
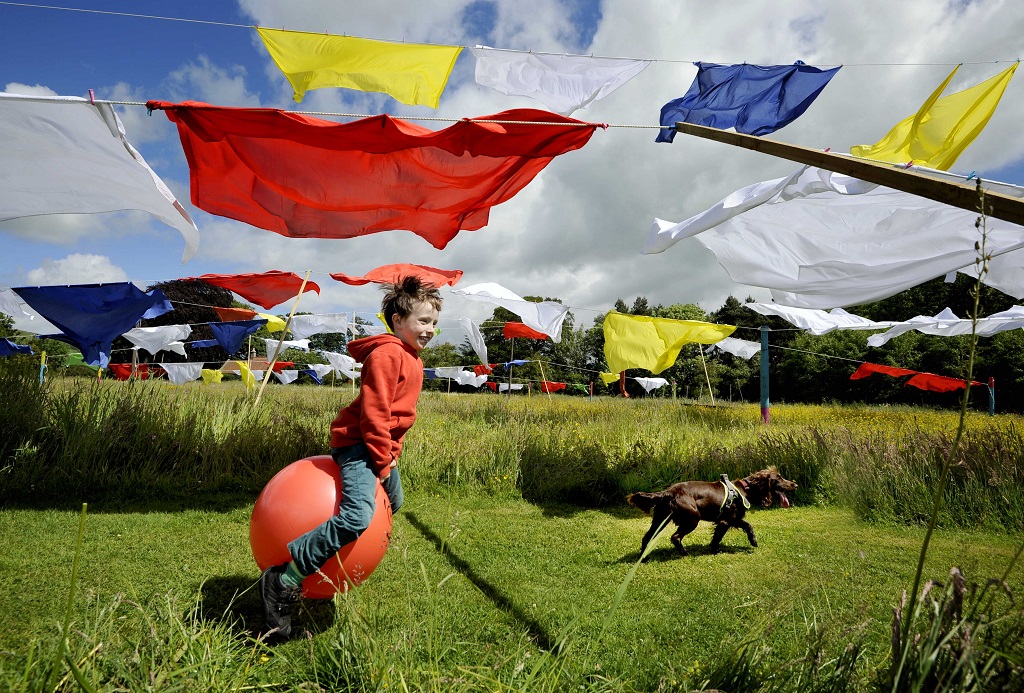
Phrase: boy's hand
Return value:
(387, 472)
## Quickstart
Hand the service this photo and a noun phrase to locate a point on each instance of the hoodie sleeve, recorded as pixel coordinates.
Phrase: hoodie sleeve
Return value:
(380, 374)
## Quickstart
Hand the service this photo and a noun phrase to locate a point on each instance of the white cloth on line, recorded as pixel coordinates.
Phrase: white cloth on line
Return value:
(287, 375)
(546, 316)
(462, 377)
(300, 344)
(154, 339)
(343, 363)
(179, 373)
(303, 326)
(505, 387)
(819, 239)
(11, 304)
(818, 321)
(649, 384)
(65, 155)
(476, 338)
(737, 347)
(947, 324)
(563, 83)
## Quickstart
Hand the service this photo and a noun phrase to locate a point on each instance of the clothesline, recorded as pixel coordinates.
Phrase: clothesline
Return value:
(507, 50)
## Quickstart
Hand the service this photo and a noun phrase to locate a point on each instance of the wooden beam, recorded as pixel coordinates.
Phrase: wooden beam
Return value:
(962, 195)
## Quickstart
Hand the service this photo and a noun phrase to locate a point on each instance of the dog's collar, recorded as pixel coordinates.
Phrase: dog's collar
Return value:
(731, 494)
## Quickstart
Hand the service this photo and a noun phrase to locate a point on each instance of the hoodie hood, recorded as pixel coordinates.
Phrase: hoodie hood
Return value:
(359, 349)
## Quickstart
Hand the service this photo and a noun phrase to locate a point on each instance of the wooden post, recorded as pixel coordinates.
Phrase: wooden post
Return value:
(960, 195)
(706, 376)
(766, 412)
(284, 332)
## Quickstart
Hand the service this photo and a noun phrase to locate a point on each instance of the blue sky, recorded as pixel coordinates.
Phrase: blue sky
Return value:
(574, 233)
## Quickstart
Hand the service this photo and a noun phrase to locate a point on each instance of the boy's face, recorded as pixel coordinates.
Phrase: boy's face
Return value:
(417, 328)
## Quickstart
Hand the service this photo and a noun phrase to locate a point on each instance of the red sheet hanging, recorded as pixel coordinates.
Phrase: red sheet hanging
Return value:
(310, 178)
(518, 329)
(265, 289)
(389, 274)
(547, 386)
(231, 314)
(867, 369)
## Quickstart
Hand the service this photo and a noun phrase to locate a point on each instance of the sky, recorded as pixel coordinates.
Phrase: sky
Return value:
(576, 231)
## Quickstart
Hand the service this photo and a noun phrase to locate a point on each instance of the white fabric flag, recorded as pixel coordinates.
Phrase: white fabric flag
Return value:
(321, 369)
(371, 330)
(154, 339)
(563, 83)
(947, 324)
(287, 376)
(175, 347)
(179, 373)
(546, 316)
(737, 347)
(505, 387)
(65, 155)
(462, 377)
(343, 363)
(11, 304)
(820, 239)
(303, 326)
(300, 344)
(476, 338)
(818, 321)
(649, 384)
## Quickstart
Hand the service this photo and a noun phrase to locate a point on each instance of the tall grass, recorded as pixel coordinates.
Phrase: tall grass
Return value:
(146, 440)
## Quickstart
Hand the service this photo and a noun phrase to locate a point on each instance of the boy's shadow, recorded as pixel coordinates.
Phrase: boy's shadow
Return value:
(235, 599)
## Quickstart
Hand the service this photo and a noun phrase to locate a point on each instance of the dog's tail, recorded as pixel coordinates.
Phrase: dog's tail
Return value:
(646, 501)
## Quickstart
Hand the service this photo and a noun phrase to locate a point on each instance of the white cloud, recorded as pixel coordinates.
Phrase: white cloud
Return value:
(27, 90)
(78, 268)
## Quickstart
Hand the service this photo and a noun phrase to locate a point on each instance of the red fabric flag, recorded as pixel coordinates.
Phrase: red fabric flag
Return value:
(231, 314)
(123, 371)
(518, 329)
(265, 289)
(310, 178)
(867, 369)
(482, 370)
(493, 386)
(936, 383)
(390, 274)
(546, 386)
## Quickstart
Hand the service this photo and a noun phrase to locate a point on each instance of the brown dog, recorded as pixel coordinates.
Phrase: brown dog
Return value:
(722, 502)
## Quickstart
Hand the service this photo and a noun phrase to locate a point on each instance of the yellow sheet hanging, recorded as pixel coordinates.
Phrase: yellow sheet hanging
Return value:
(274, 323)
(211, 376)
(639, 341)
(943, 127)
(413, 73)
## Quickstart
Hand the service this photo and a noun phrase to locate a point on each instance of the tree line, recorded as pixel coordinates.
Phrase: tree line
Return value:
(803, 368)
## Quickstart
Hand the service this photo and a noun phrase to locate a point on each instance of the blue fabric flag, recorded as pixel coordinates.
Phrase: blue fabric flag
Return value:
(202, 343)
(92, 316)
(517, 362)
(313, 374)
(230, 335)
(9, 348)
(753, 99)
(429, 374)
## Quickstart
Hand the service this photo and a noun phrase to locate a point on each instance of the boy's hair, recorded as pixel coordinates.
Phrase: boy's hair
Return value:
(403, 296)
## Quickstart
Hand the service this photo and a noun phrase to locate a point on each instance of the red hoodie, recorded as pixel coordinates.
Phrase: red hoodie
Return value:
(392, 376)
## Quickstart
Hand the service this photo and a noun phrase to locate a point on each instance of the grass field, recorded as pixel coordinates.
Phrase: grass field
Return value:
(493, 580)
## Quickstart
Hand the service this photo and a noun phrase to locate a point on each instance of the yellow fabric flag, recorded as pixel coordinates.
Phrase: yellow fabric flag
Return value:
(413, 73)
(274, 323)
(609, 378)
(211, 376)
(247, 376)
(638, 341)
(943, 127)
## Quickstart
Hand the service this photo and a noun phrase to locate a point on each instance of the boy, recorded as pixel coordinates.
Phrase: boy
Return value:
(366, 440)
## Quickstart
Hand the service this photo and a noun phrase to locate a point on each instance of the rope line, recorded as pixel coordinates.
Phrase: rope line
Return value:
(505, 50)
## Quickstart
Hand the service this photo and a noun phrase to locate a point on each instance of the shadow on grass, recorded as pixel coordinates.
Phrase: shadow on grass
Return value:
(236, 599)
(668, 554)
(535, 629)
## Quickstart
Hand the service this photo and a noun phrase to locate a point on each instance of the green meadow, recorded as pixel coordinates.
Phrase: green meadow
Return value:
(514, 565)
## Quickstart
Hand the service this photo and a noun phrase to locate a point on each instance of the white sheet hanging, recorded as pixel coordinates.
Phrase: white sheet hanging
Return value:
(563, 83)
(820, 239)
(154, 339)
(546, 316)
(65, 155)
